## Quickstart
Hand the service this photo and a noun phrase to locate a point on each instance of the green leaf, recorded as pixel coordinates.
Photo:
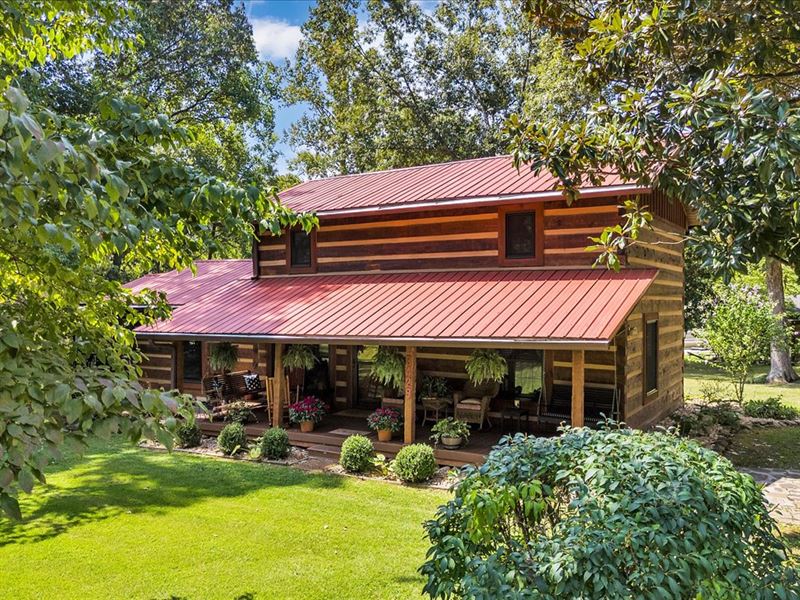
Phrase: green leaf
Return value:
(19, 101)
(10, 506)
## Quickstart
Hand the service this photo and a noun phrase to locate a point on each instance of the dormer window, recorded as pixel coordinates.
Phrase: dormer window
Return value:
(521, 236)
(301, 253)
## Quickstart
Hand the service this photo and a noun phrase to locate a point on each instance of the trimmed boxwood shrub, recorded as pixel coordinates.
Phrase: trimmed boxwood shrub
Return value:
(188, 434)
(232, 438)
(274, 444)
(357, 454)
(415, 463)
(613, 513)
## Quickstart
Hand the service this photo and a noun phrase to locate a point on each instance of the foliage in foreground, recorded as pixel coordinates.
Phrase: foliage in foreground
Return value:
(76, 195)
(608, 513)
(357, 454)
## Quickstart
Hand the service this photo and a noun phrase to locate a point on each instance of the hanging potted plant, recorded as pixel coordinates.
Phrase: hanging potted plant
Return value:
(450, 433)
(385, 421)
(223, 357)
(307, 412)
(299, 356)
(388, 370)
(486, 366)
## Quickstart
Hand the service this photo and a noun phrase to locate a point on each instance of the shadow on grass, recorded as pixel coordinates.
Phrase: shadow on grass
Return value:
(125, 480)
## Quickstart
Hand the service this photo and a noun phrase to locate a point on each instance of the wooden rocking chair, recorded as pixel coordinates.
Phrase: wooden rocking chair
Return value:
(286, 400)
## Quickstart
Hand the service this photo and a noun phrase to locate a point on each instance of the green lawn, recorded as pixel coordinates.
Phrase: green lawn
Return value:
(128, 523)
(777, 448)
(698, 372)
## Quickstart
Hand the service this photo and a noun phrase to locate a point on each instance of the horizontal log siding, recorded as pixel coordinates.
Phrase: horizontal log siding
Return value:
(599, 368)
(157, 365)
(455, 238)
(662, 248)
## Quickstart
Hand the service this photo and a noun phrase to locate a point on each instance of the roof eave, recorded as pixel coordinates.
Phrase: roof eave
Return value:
(502, 343)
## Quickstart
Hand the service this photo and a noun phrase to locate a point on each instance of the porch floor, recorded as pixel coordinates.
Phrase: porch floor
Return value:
(328, 436)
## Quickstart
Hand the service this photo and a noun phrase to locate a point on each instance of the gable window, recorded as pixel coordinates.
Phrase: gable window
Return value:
(301, 252)
(192, 361)
(521, 235)
(650, 354)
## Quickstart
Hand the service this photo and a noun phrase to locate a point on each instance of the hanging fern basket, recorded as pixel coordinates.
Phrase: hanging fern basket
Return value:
(485, 366)
(299, 356)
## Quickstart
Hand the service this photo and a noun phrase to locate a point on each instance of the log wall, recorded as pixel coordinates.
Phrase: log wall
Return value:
(661, 248)
(455, 238)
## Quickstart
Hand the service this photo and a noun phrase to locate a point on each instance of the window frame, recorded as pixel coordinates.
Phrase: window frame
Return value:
(312, 236)
(537, 259)
(647, 319)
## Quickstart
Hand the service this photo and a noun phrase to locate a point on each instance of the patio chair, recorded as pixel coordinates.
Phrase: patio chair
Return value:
(472, 402)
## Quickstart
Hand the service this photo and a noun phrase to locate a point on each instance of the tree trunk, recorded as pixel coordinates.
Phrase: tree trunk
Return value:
(780, 360)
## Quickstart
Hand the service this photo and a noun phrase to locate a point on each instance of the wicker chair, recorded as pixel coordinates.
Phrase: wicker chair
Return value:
(472, 402)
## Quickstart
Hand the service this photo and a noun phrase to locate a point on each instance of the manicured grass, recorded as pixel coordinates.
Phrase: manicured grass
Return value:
(128, 523)
(697, 373)
(776, 448)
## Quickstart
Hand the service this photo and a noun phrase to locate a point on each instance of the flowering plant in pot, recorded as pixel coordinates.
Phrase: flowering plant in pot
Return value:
(307, 412)
(385, 421)
(450, 433)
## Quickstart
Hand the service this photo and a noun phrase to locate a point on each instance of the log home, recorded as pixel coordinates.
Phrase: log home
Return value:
(439, 260)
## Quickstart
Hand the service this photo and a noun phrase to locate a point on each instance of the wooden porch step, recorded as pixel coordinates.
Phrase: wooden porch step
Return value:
(324, 450)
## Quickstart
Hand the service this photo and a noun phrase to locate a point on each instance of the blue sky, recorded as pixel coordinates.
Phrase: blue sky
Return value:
(276, 29)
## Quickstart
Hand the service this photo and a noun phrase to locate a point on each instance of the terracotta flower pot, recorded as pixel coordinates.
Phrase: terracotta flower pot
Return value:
(384, 435)
(451, 443)
(306, 426)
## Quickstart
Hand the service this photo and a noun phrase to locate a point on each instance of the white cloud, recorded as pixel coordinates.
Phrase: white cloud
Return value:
(274, 38)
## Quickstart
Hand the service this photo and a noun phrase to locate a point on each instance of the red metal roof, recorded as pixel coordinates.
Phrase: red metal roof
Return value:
(579, 307)
(480, 178)
(183, 286)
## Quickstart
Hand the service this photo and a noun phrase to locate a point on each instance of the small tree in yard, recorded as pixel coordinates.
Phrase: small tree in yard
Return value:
(614, 513)
(740, 330)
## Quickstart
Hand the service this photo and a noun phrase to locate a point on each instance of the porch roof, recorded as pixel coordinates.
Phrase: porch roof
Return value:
(569, 308)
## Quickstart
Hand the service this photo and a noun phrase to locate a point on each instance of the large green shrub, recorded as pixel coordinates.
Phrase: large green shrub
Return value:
(232, 438)
(357, 454)
(188, 434)
(771, 408)
(274, 444)
(610, 513)
(414, 463)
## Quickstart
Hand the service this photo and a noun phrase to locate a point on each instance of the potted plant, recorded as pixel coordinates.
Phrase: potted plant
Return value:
(450, 433)
(388, 370)
(222, 357)
(385, 421)
(307, 412)
(433, 388)
(484, 366)
(299, 356)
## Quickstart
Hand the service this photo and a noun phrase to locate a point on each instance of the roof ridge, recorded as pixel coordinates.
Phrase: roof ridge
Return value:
(409, 168)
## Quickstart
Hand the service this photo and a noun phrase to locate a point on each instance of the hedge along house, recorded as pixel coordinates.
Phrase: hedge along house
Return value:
(439, 260)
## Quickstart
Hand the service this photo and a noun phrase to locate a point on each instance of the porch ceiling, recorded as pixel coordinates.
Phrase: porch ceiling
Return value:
(538, 308)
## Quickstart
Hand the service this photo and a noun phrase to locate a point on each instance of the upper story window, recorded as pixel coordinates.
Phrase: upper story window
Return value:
(521, 235)
(650, 354)
(301, 251)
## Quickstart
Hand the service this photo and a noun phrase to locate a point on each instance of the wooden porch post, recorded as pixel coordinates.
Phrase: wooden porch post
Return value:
(577, 387)
(410, 399)
(277, 388)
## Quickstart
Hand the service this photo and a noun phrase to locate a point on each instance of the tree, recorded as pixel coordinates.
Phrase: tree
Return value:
(699, 99)
(195, 62)
(389, 85)
(74, 193)
(614, 513)
(741, 329)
